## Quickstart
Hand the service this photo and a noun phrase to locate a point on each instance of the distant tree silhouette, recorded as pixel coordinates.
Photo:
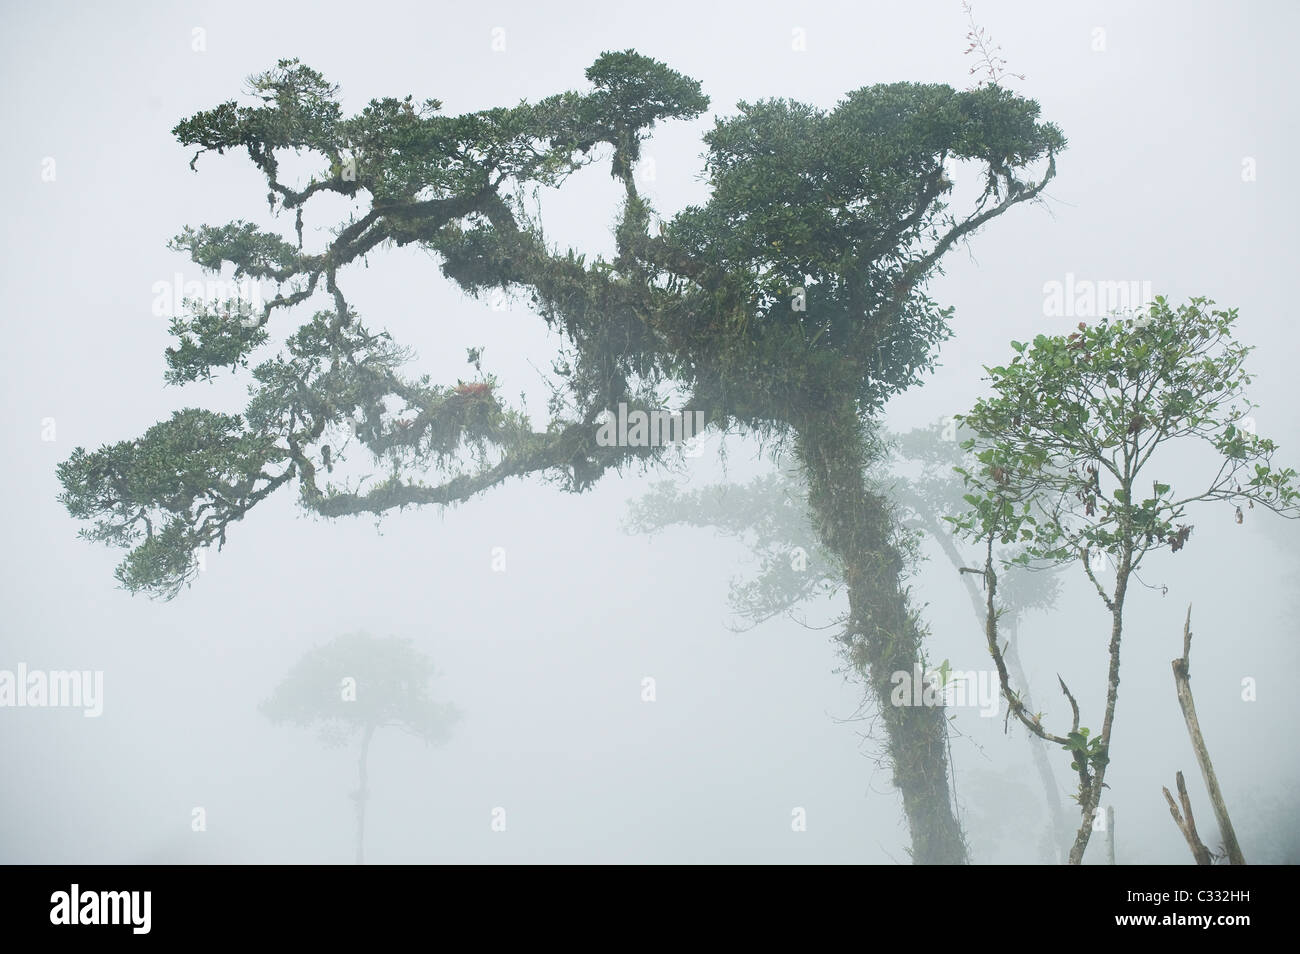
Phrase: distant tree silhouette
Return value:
(354, 686)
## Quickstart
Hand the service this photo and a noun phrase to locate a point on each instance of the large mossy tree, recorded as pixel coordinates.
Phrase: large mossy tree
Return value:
(790, 305)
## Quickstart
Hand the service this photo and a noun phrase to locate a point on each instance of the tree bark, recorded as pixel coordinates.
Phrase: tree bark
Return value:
(1110, 834)
(1187, 824)
(882, 637)
(1092, 786)
(1183, 683)
(363, 793)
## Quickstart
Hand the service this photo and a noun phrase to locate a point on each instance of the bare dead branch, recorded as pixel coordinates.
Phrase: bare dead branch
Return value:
(1187, 824)
(1183, 684)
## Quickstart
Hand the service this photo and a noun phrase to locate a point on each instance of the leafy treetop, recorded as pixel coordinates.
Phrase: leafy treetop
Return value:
(795, 287)
(1064, 445)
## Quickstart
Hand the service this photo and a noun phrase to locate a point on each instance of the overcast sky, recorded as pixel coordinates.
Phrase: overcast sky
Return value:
(1182, 133)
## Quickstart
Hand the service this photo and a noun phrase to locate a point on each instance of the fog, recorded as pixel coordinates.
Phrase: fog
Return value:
(542, 611)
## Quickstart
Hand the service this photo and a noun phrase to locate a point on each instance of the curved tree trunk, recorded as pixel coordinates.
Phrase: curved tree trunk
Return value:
(1060, 829)
(882, 637)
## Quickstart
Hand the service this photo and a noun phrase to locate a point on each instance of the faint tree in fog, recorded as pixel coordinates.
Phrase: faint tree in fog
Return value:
(916, 472)
(930, 494)
(354, 686)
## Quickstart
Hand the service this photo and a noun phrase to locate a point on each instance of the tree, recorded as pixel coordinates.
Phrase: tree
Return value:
(1064, 448)
(789, 304)
(354, 686)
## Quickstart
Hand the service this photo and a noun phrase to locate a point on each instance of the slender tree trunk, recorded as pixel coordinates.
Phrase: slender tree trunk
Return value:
(1051, 791)
(1091, 784)
(1110, 834)
(363, 793)
(882, 637)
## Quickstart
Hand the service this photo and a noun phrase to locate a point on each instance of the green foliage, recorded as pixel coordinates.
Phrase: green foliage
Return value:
(253, 251)
(168, 493)
(1075, 422)
(1086, 751)
(849, 205)
(300, 111)
(634, 92)
(211, 338)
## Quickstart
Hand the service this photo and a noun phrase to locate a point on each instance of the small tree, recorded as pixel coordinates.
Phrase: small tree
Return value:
(1064, 449)
(356, 685)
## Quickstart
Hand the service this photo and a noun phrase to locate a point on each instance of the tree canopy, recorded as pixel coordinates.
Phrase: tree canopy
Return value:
(358, 683)
(796, 283)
